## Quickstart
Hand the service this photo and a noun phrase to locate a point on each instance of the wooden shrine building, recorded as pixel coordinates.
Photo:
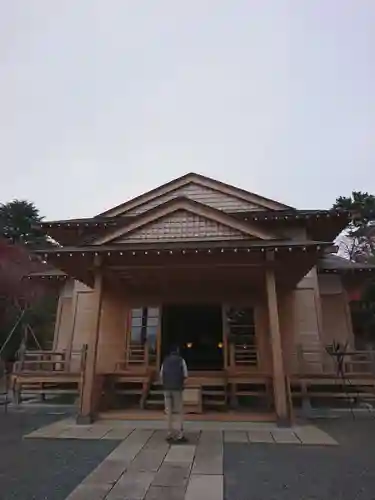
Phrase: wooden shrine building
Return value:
(244, 285)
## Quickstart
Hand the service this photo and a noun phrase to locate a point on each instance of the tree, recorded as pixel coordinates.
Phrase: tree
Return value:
(18, 223)
(23, 304)
(357, 242)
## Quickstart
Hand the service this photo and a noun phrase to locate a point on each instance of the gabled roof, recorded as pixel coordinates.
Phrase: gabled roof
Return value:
(241, 194)
(249, 230)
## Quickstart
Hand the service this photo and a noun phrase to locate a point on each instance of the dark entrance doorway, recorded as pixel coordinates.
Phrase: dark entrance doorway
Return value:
(197, 330)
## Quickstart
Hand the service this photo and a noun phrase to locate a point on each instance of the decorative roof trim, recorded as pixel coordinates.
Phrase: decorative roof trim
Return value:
(187, 248)
(190, 206)
(256, 215)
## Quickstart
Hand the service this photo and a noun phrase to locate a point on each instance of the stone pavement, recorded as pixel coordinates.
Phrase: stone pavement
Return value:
(145, 467)
(229, 461)
(236, 432)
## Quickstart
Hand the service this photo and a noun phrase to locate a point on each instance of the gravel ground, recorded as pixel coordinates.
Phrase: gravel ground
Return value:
(285, 472)
(43, 469)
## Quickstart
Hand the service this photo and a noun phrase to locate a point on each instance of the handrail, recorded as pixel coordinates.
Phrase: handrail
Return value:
(47, 361)
(319, 360)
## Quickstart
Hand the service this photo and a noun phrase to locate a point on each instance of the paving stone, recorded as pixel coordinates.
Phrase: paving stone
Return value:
(84, 432)
(285, 436)
(311, 435)
(235, 437)
(118, 433)
(131, 486)
(108, 472)
(45, 434)
(51, 430)
(172, 475)
(260, 436)
(181, 453)
(128, 449)
(90, 492)
(209, 454)
(192, 437)
(205, 487)
(157, 439)
(165, 493)
(149, 458)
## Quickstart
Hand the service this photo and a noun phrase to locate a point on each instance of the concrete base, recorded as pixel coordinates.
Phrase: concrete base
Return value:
(85, 419)
(283, 422)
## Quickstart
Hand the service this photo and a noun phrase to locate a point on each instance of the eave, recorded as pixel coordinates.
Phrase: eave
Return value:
(79, 262)
(184, 248)
(322, 225)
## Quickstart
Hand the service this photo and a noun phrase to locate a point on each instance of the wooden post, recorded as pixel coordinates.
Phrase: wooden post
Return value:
(159, 340)
(224, 323)
(232, 355)
(279, 384)
(69, 349)
(87, 403)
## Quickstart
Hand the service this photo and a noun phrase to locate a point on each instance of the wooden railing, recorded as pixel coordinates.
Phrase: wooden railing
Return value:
(243, 355)
(321, 361)
(140, 355)
(49, 361)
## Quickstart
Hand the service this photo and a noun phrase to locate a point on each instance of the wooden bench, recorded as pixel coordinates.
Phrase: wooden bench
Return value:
(331, 387)
(245, 383)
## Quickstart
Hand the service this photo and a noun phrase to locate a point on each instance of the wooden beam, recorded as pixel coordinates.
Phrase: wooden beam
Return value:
(87, 409)
(279, 383)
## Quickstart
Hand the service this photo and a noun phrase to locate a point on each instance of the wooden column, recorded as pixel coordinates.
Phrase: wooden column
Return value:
(87, 403)
(279, 384)
(224, 323)
(69, 349)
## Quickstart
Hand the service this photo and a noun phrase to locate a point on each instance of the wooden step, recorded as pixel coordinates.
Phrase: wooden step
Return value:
(214, 402)
(213, 393)
(129, 392)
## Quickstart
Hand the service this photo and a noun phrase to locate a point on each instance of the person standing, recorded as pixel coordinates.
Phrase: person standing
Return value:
(173, 374)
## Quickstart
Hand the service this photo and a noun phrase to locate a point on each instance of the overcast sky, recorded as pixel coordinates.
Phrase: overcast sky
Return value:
(101, 100)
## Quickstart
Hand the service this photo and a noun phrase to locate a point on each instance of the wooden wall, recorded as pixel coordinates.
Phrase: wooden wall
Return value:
(312, 316)
(337, 324)
(199, 193)
(112, 333)
(75, 324)
(307, 319)
(63, 328)
(182, 226)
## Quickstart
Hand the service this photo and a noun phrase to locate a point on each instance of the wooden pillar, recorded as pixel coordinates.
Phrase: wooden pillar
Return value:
(87, 403)
(69, 349)
(279, 383)
(224, 323)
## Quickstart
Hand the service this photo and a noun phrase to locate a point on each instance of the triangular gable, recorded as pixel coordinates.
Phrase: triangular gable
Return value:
(197, 188)
(184, 220)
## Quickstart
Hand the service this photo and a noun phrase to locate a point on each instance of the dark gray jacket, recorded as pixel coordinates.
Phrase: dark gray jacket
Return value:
(173, 373)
